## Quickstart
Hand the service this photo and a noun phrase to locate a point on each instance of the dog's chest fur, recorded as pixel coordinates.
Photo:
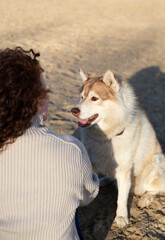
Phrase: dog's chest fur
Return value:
(100, 150)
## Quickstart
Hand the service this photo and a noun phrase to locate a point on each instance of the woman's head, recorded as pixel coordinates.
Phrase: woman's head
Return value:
(21, 92)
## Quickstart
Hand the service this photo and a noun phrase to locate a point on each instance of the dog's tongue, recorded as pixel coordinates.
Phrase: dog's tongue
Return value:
(82, 122)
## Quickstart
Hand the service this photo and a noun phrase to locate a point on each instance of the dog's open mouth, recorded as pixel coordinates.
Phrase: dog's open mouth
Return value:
(87, 122)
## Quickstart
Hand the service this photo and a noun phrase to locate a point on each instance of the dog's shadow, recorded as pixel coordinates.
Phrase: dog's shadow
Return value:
(96, 219)
(149, 85)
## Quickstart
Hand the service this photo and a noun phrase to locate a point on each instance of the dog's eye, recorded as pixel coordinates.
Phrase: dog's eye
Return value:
(94, 99)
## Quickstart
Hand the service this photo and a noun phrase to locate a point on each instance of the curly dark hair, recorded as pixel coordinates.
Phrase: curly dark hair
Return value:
(21, 92)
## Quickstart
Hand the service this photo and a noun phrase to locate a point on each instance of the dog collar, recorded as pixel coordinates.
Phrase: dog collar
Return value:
(120, 133)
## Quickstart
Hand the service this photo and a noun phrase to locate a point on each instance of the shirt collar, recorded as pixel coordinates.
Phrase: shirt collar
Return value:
(37, 120)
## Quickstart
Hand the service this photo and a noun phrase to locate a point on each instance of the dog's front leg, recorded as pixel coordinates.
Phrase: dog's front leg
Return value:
(124, 183)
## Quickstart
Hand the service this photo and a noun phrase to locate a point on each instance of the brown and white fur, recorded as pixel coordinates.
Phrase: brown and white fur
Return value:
(120, 140)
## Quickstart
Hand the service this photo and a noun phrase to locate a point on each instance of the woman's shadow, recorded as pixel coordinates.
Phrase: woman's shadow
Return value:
(96, 219)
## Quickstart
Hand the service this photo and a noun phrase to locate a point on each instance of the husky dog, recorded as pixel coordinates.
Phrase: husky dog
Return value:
(120, 140)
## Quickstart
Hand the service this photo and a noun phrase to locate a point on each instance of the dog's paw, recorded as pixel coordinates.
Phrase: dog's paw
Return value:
(121, 221)
(146, 199)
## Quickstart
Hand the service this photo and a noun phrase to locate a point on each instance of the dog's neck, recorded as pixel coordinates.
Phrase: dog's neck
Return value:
(100, 135)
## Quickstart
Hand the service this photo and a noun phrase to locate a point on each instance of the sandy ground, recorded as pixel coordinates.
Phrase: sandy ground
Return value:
(124, 35)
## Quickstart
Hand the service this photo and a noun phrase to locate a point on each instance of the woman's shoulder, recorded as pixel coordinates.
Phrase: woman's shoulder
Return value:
(66, 139)
(48, 134)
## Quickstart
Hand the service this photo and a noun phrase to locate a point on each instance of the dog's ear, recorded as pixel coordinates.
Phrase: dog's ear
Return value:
(83, 75)
(110, 80)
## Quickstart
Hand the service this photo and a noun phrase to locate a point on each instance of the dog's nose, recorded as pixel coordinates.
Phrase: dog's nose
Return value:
(75, 111)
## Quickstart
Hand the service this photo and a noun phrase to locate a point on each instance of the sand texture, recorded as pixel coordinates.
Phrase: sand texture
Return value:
(127, 36)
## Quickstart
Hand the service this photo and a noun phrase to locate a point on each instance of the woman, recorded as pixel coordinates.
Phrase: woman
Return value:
(44, 177)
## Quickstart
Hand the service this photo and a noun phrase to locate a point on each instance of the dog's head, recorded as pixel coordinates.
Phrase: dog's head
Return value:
(98, 99)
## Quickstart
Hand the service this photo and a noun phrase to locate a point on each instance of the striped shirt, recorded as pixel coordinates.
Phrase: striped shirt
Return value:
(44, 178)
